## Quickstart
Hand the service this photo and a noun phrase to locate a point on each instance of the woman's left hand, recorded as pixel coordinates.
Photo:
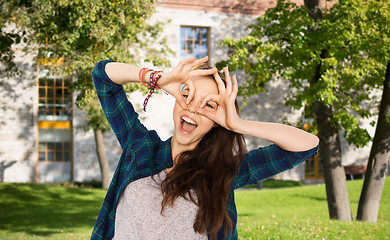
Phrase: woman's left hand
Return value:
(226, 114)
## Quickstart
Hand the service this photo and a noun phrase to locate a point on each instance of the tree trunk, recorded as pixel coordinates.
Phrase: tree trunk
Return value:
(104, 168)
(315, 9)
(330, 148)
(330, 154)
(378, 159)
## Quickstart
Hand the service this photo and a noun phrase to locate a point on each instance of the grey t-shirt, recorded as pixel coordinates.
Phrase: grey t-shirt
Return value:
(138, 213)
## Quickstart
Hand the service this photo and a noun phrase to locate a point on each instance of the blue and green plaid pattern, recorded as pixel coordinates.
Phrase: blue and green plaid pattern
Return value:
(145, 154)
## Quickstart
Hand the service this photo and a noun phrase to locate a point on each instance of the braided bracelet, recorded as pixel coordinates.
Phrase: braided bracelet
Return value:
(154, 77)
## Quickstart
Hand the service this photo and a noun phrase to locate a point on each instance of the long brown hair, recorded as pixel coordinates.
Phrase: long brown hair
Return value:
(208, 170)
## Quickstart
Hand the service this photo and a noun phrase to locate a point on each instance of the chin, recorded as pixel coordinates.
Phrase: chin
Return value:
(186, 140)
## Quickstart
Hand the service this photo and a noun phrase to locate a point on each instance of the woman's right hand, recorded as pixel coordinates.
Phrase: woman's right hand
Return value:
(183, 74)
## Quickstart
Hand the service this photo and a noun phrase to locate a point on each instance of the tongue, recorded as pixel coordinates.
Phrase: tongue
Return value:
(188, 127)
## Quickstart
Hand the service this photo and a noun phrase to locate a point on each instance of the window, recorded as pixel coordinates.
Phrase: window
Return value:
(54, 160)
(194, 41)
(54, 99)
(54, 163)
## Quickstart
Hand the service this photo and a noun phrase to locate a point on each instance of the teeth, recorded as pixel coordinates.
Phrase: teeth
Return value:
(188, 120)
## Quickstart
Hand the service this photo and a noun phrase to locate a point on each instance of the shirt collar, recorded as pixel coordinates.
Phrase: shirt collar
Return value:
(164, 153)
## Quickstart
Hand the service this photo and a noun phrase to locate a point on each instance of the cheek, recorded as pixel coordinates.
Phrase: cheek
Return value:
(176, 110)
(208, 124)
(175, 114)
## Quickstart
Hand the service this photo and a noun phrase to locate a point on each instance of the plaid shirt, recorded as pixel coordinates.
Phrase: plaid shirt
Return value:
(145, 154)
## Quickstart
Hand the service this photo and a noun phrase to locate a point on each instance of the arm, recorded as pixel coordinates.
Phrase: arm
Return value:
(286, 137)
(121, 73)
(117, 109)
(268, 161)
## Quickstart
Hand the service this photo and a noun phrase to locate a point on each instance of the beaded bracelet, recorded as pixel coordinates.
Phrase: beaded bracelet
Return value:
(154, 77)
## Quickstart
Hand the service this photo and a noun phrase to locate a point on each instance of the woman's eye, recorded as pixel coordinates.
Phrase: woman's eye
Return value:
(185, 95)
(211, 105)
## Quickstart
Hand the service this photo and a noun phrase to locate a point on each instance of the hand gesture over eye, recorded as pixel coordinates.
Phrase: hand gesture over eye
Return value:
(182, 74)
(226, 113)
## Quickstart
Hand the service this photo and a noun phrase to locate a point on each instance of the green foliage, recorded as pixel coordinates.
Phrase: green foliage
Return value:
(9, 37)
(349, 49)
(39, 211)
(74, 35)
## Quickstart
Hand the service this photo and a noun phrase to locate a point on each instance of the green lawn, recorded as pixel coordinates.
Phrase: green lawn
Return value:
(302, 213)
(37, 211)
(40, 211)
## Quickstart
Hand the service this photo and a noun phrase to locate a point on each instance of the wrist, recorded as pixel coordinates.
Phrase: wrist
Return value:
(143, 75)
(153, 79)
(162, 81)
(146, 79)
(238, 128)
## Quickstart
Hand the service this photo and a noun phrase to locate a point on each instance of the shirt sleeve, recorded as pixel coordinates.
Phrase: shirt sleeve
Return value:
(268, 161)
(116, 107)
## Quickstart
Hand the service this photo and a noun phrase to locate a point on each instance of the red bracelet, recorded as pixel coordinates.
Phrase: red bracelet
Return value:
(141, 75)
(154, 77)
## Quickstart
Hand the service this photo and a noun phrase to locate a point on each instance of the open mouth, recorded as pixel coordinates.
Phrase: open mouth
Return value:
(187, 124)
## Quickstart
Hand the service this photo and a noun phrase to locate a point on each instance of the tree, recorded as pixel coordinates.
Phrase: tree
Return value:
(378, 160)
(9, 37)
(329, 69)
(377, 43)
(330, 148)
(79, 34)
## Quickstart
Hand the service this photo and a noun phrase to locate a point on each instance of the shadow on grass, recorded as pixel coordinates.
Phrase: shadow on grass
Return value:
(245, 214)
(42, 210)
(321, 199)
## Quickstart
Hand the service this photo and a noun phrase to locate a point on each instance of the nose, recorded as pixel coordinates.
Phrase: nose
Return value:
(193, 106)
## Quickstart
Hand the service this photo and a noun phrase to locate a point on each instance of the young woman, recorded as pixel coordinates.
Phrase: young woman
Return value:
(183, 188)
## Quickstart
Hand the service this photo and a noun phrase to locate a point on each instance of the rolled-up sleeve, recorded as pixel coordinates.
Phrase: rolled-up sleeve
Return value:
(116, 107)
(268, 161)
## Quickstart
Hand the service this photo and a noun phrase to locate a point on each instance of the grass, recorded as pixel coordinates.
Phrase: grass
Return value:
(40, 211)
(302, 213)
(37, 211)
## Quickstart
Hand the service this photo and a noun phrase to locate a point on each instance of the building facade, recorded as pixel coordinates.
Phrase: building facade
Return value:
(42, 137)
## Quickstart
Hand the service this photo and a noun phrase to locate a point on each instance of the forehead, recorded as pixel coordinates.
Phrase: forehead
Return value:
(205, 85)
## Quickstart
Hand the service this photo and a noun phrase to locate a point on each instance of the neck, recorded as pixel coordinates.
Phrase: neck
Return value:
(177, 149)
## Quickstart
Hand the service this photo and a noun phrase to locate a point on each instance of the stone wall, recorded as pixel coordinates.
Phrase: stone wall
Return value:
(18, 131)
(85, 160)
